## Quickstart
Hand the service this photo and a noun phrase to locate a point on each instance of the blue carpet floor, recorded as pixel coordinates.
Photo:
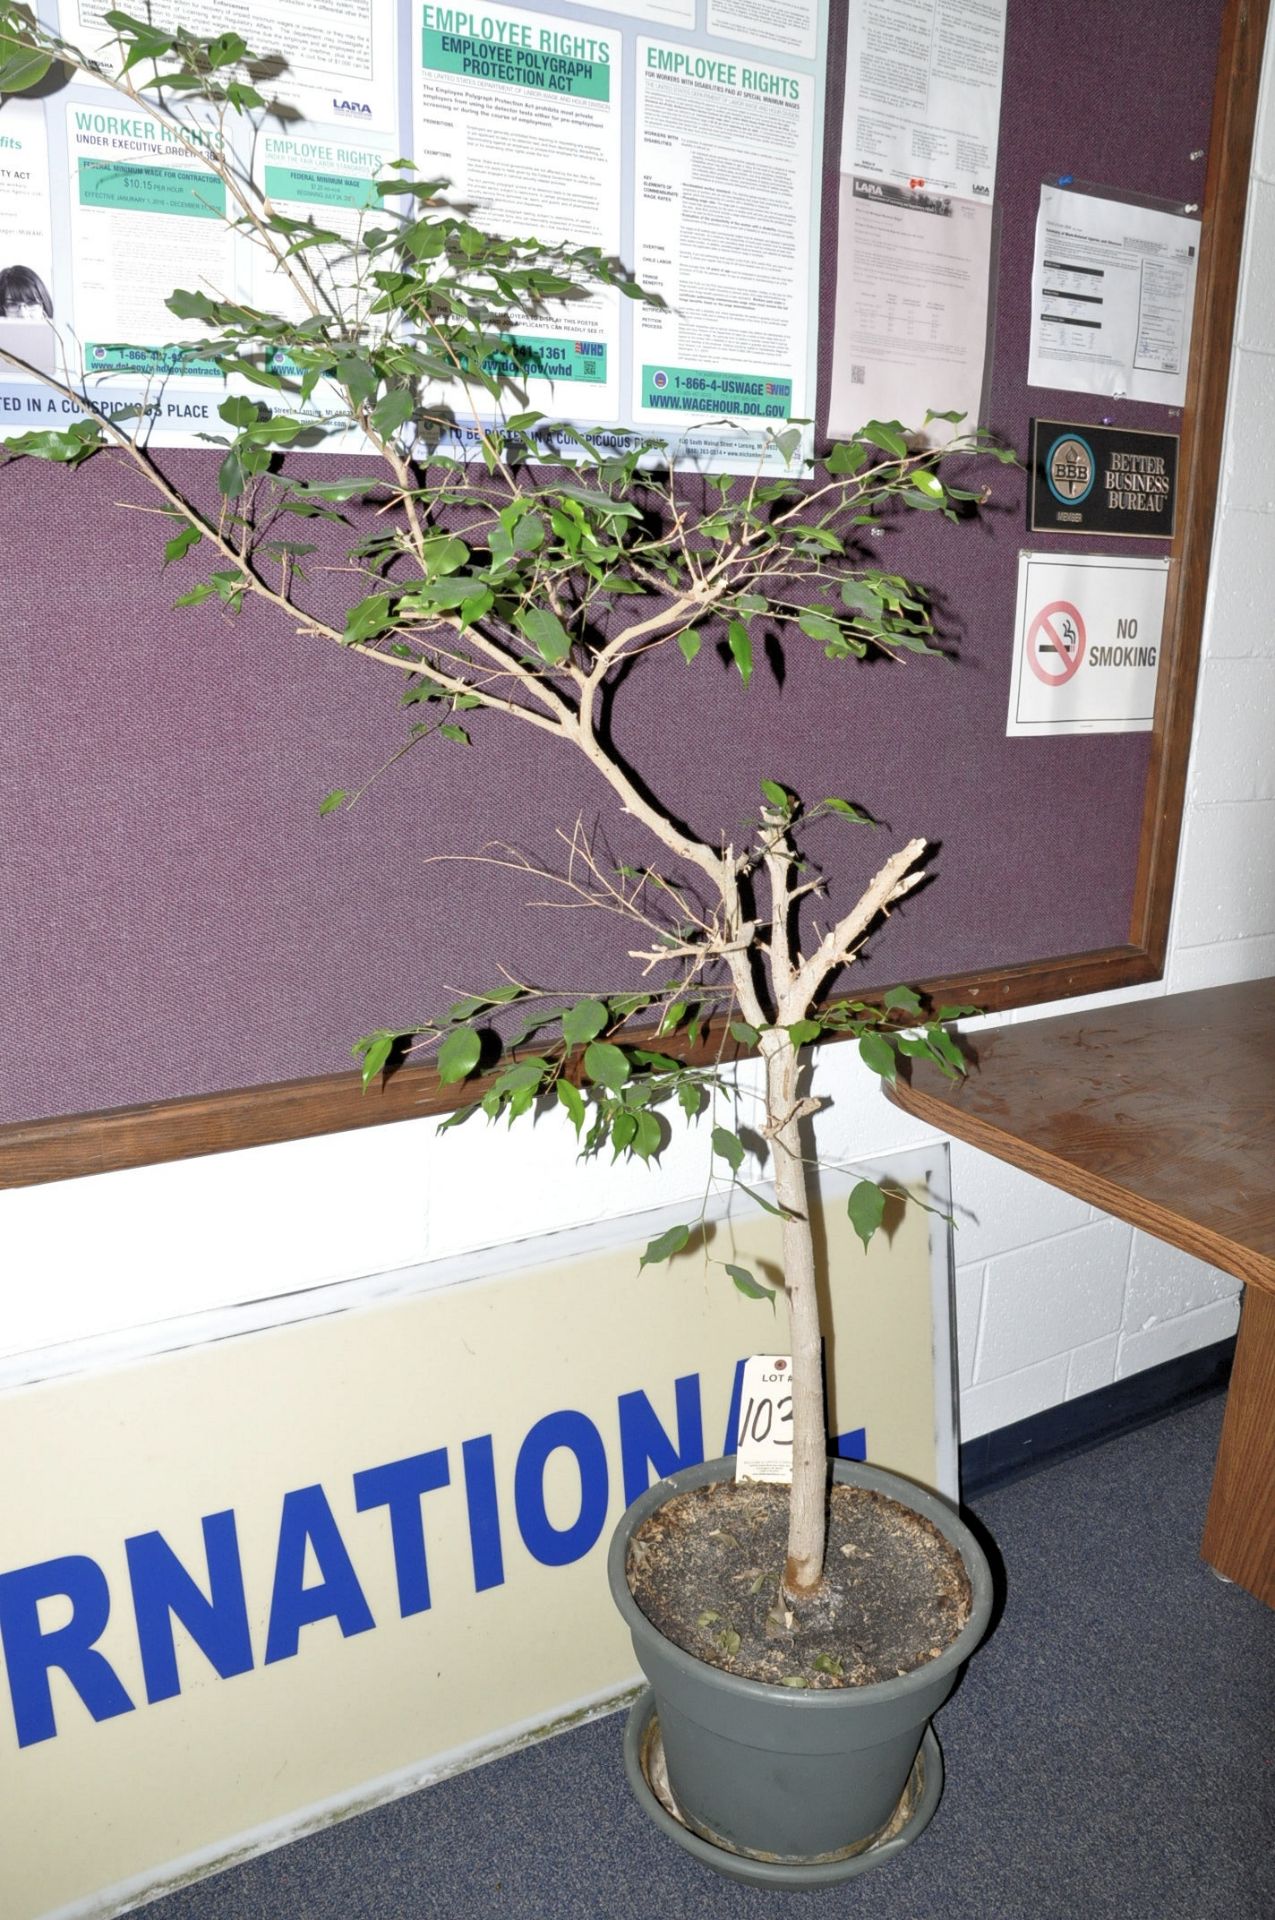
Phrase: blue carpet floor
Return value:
(1110, 1755)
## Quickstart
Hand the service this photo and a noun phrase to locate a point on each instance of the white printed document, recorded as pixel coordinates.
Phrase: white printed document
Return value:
(923, 93)
(911, 314)
(1113, 286)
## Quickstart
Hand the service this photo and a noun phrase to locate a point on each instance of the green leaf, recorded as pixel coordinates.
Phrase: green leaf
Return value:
(585, 1021)
(747, 1035)
(802, 1032)
(647, 1141)
(450, 731)
(741, 649)
(232, 475)
(944, 1045)
(748, 1286)
(70, 447)
(195, 595)
(728, 1147)
(664, 1246)
(572, 1099)
(866, 1207)
(182, 541)
(458, 1055)
(767, 1206)
(392, 411)
(902, 1000)
(928, 483)
(876, 1052)
(23, 69)
(546, 633)
(366, 619)
(846, 457)
(818, 626)
(358, 378)
(847, 812)
(889, 436)
(239, 411)
(690, 642)
(607, 1065)
(375, 1049)
(331, 801)
(778, 797)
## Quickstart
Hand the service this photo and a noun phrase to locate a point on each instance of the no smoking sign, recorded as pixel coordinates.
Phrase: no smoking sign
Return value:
(1056, 643)
(1086, 644)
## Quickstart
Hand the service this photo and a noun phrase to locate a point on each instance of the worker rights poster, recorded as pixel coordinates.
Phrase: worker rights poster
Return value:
(681, 139)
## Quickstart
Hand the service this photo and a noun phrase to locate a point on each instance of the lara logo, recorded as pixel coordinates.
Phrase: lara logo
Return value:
(1070, 468)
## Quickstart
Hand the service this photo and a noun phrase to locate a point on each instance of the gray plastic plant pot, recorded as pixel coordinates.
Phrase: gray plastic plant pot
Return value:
(786, 1774)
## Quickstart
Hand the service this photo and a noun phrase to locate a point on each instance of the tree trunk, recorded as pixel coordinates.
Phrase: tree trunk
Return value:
(807, 1526)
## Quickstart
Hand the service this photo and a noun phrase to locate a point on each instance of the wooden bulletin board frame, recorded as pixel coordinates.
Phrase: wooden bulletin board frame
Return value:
(63, 1147)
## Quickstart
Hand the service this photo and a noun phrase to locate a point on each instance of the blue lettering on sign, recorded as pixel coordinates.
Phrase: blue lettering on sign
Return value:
(484, 1515)
(164, 1590)
(308, 1520)
(644, 1443)
(399, 1486)
(559, 1546)
(30, 1651)
(210, 1602)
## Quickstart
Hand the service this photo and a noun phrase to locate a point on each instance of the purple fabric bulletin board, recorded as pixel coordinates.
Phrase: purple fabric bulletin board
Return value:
(176, 918)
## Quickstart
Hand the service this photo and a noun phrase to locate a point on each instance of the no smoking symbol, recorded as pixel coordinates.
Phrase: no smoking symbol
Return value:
(1056, 643)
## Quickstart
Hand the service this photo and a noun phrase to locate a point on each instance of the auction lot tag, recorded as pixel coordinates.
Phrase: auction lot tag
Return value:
(765, 1420)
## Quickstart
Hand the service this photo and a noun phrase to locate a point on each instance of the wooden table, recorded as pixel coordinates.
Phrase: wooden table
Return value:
(1161, 1112)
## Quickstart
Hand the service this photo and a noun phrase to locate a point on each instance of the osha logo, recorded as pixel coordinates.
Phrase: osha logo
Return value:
(352, 106)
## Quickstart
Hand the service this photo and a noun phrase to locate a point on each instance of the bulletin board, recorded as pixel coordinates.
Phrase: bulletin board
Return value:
(190, 948)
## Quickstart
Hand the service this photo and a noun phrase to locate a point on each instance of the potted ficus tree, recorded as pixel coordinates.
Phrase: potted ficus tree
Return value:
(514, 569)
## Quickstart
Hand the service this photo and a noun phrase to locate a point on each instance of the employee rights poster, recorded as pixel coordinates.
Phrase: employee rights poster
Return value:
(680, 136)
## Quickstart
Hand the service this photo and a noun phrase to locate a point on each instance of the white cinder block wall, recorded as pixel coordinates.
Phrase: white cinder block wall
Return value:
(1053, 1299)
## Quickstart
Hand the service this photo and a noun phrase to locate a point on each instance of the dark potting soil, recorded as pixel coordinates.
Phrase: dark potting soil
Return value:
(705, 1569)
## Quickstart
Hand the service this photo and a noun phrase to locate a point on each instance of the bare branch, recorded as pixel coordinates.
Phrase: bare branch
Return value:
(838, 945)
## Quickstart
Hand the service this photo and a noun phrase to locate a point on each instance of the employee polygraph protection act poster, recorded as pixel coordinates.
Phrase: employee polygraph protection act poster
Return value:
(681, 136)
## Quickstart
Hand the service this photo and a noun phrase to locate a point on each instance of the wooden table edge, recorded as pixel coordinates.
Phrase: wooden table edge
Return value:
(1083, 1182)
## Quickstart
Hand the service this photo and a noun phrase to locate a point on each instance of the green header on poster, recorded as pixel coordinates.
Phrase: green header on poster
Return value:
(125, 187)
(517, 66)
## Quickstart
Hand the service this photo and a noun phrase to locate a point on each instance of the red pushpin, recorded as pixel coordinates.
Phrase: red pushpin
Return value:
(914, 184)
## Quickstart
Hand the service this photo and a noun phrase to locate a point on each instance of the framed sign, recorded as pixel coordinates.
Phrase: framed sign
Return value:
(1108, 480)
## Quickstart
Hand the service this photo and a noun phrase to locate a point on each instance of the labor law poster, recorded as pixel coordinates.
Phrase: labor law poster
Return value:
(677, 136)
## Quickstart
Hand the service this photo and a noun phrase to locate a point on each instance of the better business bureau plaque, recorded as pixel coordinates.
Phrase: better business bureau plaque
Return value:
(1109, 480)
